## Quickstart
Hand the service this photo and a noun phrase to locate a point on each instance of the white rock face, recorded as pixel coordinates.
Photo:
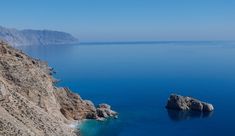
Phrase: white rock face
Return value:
(35, 37)
(3, 91)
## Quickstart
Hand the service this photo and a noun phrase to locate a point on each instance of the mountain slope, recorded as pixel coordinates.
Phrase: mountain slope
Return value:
(35, 37)
(30, 104)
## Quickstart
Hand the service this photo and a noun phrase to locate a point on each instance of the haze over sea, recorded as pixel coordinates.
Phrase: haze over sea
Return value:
(136, 79)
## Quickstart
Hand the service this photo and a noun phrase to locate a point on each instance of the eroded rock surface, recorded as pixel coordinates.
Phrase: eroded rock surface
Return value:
(30, 104)
(179, 102)
(104, 111)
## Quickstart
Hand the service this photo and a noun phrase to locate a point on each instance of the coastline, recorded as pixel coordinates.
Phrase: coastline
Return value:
(27, 84)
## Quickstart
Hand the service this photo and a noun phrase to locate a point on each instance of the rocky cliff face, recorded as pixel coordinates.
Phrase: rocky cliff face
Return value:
(30, 104)
(35, 37)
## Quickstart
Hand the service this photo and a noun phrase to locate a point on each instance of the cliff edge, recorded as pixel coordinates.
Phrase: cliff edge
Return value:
(30, 104)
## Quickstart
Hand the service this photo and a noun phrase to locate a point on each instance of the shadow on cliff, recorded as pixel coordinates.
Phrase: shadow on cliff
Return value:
(176, 115)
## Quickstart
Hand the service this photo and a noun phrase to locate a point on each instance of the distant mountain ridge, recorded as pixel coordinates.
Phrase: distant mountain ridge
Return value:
(35, 37)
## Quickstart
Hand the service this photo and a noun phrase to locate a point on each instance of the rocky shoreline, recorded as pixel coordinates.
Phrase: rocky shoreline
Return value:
(72, 104)
(30, 103)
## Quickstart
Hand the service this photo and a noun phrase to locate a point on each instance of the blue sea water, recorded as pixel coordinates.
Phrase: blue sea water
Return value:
(136, 79)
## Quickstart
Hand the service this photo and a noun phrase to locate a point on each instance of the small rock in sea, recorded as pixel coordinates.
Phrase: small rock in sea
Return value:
(116, 117)
(104, 111)
(104, 105)
(101, 112)
(179, 102)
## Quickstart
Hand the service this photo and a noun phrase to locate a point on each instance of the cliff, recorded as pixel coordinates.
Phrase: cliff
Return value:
(30, 104)
(35, 37)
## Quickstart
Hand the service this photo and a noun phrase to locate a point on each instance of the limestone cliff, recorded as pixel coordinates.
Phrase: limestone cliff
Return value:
(30, 104)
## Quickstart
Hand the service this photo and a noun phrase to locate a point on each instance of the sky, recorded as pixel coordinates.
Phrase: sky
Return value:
(125, 20)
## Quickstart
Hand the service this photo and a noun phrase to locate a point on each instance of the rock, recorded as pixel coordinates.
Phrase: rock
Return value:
(30, 103)
(179, 102)
(3, 91)
(73, 107)
(101, 112)
(92, 114)
(196, 105)
(207, 107)
(104, 111)
(105, 106)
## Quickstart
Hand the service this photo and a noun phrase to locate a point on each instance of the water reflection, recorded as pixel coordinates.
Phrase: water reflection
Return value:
(176, 115)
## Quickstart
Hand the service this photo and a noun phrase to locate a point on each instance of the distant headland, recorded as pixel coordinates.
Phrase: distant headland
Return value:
(17, 37)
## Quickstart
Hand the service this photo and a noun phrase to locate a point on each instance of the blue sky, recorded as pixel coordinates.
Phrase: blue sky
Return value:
(125, 20)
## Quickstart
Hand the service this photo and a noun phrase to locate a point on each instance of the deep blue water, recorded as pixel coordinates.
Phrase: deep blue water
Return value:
(136, 79)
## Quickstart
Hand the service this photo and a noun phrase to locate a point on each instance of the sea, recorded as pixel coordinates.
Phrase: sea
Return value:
(137, 78)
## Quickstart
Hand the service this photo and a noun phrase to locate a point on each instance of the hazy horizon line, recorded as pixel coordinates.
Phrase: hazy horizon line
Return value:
(152, 41)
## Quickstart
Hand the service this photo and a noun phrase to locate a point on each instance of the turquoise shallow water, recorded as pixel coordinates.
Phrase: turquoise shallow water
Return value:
(98, 128)
(136, 79)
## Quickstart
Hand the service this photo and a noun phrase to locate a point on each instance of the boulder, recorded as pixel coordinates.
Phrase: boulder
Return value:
(178, 102)
(207, 107)
(101, 112)
(105, 106)
(104, 111)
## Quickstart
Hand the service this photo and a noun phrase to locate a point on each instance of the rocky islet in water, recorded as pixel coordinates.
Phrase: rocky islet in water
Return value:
(185, 103)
